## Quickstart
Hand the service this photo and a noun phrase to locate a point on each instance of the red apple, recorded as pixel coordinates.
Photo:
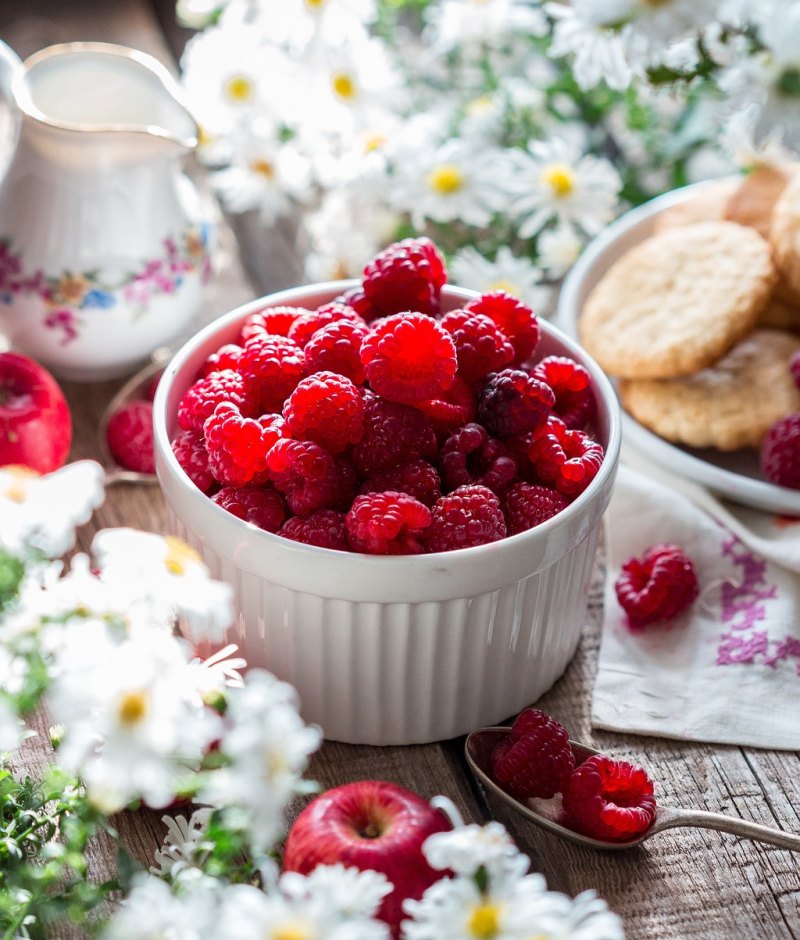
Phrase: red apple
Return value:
(35, 423)
(369, 824)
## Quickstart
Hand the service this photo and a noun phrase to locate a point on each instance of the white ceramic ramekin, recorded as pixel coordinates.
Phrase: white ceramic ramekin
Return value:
(396, 650)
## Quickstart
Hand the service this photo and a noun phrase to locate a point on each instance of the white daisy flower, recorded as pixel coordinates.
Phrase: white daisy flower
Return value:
(659, 24)
(555, 183)
(349, 891)
(11, 727)
(508, 272)
(737, 139)
(40, 514)
(559, 248)
(267, 745)
(163, 574)
(182, 843)
(456, 182)
(152, 911)
(300, 23)
(466, 849)
(458, 23)
(308, 914)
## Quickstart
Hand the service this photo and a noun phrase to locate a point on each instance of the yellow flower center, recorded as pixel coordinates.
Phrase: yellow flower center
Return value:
(484, 922)
(344, 86)
(559, 177)
(17, 491)
(132, 708)
(203, 137)
(507, 286)
(179, 556)
(482, 105)
(292, 930)
(315, 4)
(239, 89)
(263, 168)
(446, 179)
(374, 142)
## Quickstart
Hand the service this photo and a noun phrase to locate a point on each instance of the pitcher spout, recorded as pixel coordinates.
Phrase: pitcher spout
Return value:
(103, 88)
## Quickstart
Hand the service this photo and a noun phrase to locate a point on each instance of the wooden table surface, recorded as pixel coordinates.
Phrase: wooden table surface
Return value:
(684, 883)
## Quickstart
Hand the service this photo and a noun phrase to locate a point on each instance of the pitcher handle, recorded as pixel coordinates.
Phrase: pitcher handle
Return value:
(10, 116)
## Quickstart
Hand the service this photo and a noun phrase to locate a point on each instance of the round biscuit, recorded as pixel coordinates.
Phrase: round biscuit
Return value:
(678, 301)
(755, 197)
(784, 234)
(727, 406)
(709, 204)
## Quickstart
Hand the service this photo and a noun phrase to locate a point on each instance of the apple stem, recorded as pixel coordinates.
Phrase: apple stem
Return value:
(449, 808)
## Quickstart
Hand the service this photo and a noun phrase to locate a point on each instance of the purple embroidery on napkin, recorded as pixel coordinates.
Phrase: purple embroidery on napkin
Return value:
(743, 609)
(788, 648)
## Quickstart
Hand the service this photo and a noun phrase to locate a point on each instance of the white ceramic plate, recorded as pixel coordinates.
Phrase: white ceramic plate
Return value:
(735, 476)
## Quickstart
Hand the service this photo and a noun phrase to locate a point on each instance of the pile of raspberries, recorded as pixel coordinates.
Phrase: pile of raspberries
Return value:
(601, 797)
(378, 424)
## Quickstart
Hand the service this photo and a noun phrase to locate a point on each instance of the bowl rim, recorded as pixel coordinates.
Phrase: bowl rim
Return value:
(168, 463)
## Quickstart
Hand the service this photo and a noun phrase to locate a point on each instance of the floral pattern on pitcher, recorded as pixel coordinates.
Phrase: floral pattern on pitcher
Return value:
(70, 292)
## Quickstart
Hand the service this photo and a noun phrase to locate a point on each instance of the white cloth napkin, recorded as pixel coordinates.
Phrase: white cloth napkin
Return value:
(728, 670)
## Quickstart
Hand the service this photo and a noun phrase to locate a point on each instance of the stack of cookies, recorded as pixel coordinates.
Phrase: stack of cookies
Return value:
(700, 321)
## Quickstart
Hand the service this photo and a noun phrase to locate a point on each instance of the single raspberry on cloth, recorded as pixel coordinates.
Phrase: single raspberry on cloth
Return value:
(780, 452)
(325, 529)
(658, 587)
(517, 321)
(528, 504)
(260, 505)
(238, 446)
(568, 459)
(129, 435)
(226, 357)
(470, 456)
(470, 515)
(388, 523)
(190, 451)
(272, 366)
(200, 399)
(306, 474)
(326, 408)
(570, 383)
(393, 434)
(276, 320)
(481, 346)
(408, 358)
(512, 402)
(536, 759)
(337, 348)
(417, 478)
(408, 275)
(609, 800)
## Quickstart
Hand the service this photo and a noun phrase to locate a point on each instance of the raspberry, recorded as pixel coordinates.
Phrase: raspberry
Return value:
(780, 452)
(794, 368)
(516, 320)
(536, 760)
(512, 402)
(238, 446)
(306, 474)
(570, 383)
(470, 456)
(325, 528)
(335, 312)
(387, 523)
(200, 399)
(609, 799)
(408, 275)
(326, 408)
(336, 348)
(659, 587)
(272, 366)
(455, 408)
(226, 357)
(418, 478)
(470, 515)
(393, 434)
(259, 505)
(481, 346)
(567, 459)
(408, 357)
(129, 435)
(348, 483)
(355, 298)
(274, 320)
(189, 448)
(528, 505)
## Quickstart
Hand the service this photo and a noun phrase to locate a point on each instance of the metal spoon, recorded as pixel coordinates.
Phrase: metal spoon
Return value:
(134, 388)
(549, 814)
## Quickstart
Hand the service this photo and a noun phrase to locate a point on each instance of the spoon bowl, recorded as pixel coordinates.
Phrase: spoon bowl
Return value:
(549, 814)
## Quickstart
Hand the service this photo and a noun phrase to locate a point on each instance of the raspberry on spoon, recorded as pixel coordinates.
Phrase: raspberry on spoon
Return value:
(536, 760)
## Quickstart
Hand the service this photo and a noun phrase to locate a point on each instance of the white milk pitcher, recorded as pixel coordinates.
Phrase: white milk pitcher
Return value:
(104, 250)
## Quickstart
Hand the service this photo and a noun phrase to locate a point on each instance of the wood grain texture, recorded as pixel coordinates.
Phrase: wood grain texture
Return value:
(683, 884)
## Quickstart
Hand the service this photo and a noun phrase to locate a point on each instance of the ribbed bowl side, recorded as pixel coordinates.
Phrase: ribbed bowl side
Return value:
(396, 673)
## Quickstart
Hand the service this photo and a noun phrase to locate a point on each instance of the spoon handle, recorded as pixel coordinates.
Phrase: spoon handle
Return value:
(737, 827)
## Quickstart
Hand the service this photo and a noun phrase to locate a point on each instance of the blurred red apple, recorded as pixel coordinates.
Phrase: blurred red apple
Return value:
(369, 824)
(35, 423)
